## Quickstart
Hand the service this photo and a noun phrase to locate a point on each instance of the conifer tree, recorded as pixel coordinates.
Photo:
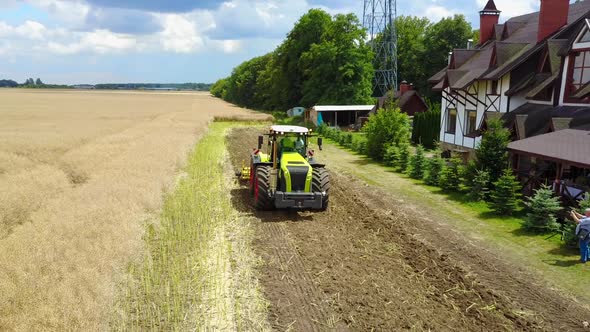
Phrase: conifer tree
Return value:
(478, 186)
(542, 206)
(506, 193)
(417, 163)
(450, 176)
(433, 170)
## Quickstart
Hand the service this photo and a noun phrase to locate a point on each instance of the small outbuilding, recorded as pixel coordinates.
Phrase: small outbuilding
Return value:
(407, 99)
(296, 111)
(338, 115)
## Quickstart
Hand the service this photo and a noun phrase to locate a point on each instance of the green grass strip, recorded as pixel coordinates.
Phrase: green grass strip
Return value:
(197, 274)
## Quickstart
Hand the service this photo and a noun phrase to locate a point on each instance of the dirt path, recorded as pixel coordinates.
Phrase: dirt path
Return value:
(369, 263)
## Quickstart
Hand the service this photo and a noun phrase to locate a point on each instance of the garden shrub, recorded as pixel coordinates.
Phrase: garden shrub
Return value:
(386, 127)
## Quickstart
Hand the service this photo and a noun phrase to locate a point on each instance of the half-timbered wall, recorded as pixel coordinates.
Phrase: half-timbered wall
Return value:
(479, 97)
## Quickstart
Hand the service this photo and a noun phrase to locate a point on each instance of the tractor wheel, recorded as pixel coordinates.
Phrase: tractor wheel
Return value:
(262, 184)
(252, 179)
(320, 182)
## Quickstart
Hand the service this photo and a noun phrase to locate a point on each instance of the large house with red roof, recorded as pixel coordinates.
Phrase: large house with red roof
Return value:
(532, 71)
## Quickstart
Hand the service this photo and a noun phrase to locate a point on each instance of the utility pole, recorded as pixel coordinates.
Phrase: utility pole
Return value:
(379, 20)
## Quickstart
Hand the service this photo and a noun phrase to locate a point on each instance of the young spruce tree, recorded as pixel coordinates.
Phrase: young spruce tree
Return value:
(506, 193)
(450, 176)
(417, 163)
(543, 206)
(433, 169)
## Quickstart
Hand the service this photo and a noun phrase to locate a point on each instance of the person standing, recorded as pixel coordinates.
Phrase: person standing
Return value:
(583, 233)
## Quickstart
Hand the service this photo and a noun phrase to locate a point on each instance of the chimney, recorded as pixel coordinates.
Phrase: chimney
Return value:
(403, 88)
(488, 18)
(552, 17)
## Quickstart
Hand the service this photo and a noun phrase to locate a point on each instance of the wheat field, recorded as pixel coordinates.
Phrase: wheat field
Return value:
(81, 172)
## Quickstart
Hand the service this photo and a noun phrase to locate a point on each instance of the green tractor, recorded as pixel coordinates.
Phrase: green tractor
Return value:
(287, 176)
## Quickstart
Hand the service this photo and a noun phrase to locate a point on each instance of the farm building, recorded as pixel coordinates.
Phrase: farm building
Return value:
(296, 111)
(533, 72)
(407, 99)
(338, 116)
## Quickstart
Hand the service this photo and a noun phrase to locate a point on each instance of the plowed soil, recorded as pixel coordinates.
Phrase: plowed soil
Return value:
(368, 263)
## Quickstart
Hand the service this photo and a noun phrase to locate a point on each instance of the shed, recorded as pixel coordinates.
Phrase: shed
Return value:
(296, 111)
(338, 115)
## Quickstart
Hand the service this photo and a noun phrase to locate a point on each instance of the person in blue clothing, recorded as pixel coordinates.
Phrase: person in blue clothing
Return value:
(583, 227)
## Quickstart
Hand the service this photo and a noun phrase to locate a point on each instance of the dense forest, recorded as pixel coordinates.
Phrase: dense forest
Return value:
(325, 60)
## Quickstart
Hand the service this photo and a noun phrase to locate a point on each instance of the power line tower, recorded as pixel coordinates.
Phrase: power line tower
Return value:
(379, 20)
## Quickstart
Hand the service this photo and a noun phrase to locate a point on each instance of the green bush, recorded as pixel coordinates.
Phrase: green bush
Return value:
(434, 167)
(542, 208)
(505, 197)
(450, 175)
(386, 127)
(359, 144)
(417, 163)
(348, 140)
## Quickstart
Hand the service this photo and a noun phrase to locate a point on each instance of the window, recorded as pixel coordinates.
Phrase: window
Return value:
(451, 120)
(494, 88)
(470, 121)
(581, 70)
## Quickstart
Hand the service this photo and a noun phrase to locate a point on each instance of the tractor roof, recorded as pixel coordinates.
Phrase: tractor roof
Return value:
(289, 129)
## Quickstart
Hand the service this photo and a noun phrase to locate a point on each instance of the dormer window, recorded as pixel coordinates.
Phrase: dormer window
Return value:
(581, 70)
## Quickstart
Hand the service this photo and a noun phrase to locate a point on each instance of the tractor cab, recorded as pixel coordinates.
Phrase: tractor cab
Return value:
(287, 175)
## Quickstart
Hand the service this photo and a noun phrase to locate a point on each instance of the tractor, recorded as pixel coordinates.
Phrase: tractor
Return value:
(287, 176)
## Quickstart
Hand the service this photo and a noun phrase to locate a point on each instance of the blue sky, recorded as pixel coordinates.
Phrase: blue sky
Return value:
(99, 41)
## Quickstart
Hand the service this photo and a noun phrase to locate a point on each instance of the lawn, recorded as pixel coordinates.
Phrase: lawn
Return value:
(544, 254)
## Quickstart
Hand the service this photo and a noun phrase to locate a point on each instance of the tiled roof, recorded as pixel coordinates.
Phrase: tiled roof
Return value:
(516, 43)
(490, 6)
(568, 145)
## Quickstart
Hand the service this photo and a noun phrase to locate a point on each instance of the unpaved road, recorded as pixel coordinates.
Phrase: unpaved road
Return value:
(370, 264)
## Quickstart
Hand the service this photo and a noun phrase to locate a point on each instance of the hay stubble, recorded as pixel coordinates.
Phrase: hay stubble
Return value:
(80, 173)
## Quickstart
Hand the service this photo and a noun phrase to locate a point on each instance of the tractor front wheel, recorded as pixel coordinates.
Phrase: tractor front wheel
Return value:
(262, 200)
(320, 182)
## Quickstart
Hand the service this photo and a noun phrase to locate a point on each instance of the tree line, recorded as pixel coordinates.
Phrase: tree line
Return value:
(136, 86)
(325, 60)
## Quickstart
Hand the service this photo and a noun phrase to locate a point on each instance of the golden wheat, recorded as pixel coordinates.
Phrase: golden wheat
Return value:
(80, 172)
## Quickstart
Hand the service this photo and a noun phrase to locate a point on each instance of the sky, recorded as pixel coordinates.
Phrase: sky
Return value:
(118, 41)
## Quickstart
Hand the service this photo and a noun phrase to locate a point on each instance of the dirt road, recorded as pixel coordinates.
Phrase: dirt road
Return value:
(369, 263)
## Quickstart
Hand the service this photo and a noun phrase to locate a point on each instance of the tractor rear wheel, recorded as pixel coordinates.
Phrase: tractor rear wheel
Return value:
(320, 182)
(262, 200)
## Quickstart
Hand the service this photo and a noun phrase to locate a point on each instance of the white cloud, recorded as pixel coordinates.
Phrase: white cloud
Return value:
(72, 13)
(435, 13)
(180, 35)
(510, 8)
(32, 30)
(228, 46)
(99, 41)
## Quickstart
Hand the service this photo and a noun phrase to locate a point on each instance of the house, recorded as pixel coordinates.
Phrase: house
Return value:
(338, 115)
(407, 99)
(533, 72)
(295, 111)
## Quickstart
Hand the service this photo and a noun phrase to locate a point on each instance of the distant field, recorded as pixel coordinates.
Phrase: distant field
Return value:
(80, 173)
